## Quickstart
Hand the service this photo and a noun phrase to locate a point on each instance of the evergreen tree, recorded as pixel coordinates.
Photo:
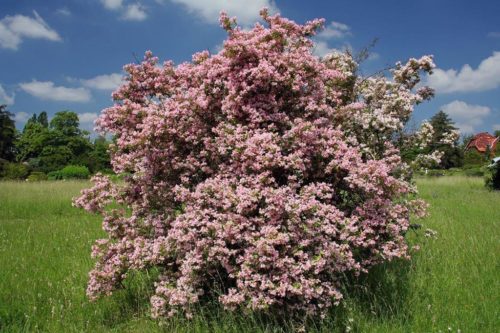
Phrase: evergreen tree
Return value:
(7, 134)
(32, 140)
(43, 119)
(32, 120)
(453, 155)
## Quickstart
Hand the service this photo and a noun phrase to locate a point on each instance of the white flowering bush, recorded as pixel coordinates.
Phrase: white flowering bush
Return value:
(430, 153)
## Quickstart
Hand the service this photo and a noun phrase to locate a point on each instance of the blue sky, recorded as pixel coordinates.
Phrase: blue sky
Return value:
(57, 55)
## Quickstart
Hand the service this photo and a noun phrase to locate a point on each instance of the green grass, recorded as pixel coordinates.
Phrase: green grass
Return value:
(454, 281)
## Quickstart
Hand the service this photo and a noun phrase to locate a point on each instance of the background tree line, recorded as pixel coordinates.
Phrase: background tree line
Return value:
(454, 155)
(50, 148)
(60, 149)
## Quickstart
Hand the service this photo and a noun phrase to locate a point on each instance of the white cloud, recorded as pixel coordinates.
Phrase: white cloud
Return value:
(112, 4)
(131, 12)
(321, 49)
(48, 91)
(485, 77)
(21, 117)
(466, 116)
(135, 12)
(334, 30)
(246, 12)
(63, 11)
(87, 117)
(5, 98)
(104, 82)
(219, 47)
(14, 28)
(494, 34)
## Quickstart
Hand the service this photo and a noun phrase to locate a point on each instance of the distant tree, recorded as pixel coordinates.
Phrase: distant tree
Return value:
(99, 157)
(54, 158)
(443, 125)
(67, 122)
(65, 131)
(43, 119)
(32, 140)
(473, 158)
(7, 134)
(488, 153)
(466, 138)
(433, 145)
(32, 120)
(51, 147)
(497, 147)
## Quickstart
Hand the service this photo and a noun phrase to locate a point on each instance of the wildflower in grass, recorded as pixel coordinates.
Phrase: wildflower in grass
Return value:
(429, 233)
(259, 175)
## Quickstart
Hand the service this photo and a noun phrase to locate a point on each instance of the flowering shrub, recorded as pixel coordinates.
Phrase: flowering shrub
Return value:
(429, 156)
(259, 175)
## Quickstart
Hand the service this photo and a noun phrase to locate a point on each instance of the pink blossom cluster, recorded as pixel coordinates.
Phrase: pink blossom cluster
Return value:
(258, 176)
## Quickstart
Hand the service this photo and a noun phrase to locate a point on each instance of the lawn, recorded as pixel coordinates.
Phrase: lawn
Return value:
(452, 283)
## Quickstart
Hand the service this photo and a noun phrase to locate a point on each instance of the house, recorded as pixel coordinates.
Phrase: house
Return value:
(481, 141)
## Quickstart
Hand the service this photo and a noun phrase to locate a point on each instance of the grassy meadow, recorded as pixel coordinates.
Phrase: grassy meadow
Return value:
(451, 285)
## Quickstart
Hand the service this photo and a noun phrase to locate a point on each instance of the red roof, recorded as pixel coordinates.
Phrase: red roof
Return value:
(481, 141)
